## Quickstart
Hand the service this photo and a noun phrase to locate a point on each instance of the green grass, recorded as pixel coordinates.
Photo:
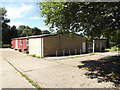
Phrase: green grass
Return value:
(19, 50)
(70, 57)
(28, 79)
(35, 56)
(26, 52)
(0, 44)
(6, 45)
(112, 49)
(91, 54)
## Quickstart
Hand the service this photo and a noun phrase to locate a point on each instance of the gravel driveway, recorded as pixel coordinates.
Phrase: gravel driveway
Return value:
(62, 73)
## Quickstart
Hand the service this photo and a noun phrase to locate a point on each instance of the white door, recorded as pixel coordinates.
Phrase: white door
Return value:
(16, 44)
(38, 47)
(83, 47)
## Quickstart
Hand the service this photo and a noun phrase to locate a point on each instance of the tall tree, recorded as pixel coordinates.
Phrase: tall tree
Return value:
(94, 19)
(36, 31)
(13, 32)
(23, 30)
(27, 31)
(45, 32)
(5, 28)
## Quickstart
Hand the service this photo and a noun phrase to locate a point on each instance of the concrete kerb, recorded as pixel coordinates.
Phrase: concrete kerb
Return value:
(67, 57)
(27, 78)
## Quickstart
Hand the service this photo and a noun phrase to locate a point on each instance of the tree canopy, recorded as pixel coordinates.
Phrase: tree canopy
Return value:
(27, 31)
(93, 19)
(45, 32)
(9, 32)
(5, 27)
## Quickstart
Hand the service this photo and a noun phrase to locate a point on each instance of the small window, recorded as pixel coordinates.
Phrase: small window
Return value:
(21, 42)
(27, 42)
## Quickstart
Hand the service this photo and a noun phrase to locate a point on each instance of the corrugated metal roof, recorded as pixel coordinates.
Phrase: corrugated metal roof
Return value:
(20, 38)
(36, 36)
(43, 35)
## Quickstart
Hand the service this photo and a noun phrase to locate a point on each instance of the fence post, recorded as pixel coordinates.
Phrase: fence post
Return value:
(63, 52)
(80, 51)
(56, 53)
(94, 46)
(117, 49)
(75, 51)
(69, 52)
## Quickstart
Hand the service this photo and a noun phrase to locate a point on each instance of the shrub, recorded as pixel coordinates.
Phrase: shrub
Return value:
(26, 51)
(6, 46)
(37, 57)
(91, 53)
(112, 49)
(33, 55)
(19, 50)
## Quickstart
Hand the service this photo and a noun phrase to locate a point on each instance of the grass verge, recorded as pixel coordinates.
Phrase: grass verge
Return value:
(6, 46)
(113, 49)
(35, 56)
(70, 57)
(28, 79)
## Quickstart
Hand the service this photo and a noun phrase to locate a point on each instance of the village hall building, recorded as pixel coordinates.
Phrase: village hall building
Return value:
(57, 44)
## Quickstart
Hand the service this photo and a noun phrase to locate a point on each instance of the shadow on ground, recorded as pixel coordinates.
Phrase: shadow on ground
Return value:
(105, 69)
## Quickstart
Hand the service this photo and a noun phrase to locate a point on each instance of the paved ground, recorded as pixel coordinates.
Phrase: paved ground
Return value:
(53, 74)
(10, 78)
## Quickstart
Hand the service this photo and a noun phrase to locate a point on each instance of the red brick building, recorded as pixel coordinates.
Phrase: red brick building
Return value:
(21, 43)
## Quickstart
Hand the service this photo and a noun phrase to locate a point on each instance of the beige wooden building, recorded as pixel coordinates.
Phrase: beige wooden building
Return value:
(100, 45)
(54, 45)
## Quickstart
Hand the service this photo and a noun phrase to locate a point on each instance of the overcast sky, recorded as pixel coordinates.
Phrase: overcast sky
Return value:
(24, 13)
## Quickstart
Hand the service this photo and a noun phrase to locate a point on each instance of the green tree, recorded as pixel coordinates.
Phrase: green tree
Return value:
(93, 19)
(23, 30)
(45, 32)
(27, 31)
(13, 32)
(5, 27)
(36, 31)
(20, 30)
